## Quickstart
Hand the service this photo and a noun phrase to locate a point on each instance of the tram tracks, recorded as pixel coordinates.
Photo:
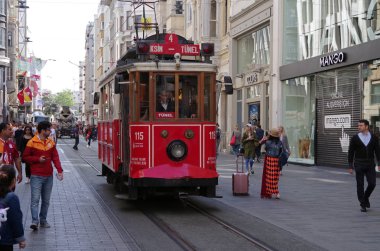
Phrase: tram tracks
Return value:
(183, 241)
(228, 226)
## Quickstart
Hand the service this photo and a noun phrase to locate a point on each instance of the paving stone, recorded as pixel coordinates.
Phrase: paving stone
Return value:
(75, 217)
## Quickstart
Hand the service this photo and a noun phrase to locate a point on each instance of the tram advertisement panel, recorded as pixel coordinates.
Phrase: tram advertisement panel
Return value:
(210, 146)
(139, 140)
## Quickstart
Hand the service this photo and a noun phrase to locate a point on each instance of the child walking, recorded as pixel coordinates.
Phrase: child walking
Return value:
(11, 230)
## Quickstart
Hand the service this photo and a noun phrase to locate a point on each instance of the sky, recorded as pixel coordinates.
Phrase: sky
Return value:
(57, 29)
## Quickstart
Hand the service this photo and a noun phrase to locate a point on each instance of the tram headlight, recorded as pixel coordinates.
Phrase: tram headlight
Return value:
(177, 150)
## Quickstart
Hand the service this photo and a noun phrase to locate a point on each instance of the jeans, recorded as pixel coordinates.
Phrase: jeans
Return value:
(250, 162)
(89, 141)
(76, 143)
(40, 187)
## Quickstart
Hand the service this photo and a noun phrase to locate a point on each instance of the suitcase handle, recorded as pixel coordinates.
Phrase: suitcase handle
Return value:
(242, 163)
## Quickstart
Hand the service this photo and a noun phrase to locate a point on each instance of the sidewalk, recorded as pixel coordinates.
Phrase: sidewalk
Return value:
(77, 219)
(317, 204)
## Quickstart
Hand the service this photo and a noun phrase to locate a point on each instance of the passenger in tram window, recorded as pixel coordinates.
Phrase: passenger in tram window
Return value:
(164, 104)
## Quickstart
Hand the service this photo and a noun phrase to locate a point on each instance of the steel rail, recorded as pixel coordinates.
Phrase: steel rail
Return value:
(228, 226)
(170, 232)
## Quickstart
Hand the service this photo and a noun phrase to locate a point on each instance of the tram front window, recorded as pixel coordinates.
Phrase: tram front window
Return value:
(188, 97)
(165, 101)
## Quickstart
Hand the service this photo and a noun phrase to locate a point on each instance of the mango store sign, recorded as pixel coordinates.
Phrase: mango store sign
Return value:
(332, 59)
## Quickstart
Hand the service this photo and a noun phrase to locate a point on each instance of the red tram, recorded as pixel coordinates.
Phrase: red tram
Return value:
(157, 128)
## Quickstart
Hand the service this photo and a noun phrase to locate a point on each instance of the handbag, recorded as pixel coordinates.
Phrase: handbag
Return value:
(233, 140)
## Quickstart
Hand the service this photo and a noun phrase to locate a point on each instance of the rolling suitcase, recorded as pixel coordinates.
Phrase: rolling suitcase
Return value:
(240, 181)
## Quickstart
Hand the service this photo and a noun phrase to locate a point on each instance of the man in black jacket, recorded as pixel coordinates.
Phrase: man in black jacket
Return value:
(361, 155)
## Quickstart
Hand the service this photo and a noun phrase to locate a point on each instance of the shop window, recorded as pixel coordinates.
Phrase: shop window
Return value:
(253, 50)
(254, 91)
(298, 118)
(375, 92)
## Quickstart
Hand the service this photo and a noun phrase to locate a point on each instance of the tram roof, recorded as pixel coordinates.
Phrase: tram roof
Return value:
(161, 66)
(166, 66)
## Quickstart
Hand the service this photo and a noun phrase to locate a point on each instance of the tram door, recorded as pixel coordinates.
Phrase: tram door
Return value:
(124, 130)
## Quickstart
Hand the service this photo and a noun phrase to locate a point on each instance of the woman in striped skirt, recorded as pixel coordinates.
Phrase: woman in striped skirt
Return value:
(271, 171)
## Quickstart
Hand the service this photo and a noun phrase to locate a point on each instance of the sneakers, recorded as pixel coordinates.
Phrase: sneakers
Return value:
(34, 226)
(45, 225)
(252, 172)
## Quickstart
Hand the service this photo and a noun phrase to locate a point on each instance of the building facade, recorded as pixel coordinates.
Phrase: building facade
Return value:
(251, 65)
(330, 76)
(89, 109)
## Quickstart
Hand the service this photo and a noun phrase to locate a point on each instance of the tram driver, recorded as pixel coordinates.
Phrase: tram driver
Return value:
(164, 104)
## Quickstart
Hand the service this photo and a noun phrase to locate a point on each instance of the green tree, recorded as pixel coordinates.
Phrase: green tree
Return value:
(64, 98)
(49, 107)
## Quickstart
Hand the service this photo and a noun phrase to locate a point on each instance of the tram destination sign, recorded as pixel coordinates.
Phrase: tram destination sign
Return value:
(171, 46)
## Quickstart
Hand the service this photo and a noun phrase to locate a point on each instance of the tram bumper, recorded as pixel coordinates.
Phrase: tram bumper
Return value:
(175, 176)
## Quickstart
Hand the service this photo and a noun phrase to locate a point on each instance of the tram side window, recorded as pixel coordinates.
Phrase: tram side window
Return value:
(105, 103)
(207, 97)
(144, 96)
(165, 97)
(188, 97)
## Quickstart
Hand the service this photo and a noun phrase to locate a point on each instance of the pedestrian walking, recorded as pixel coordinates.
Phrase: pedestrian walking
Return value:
(271, 170)
(361, 155)
(8, 150)
(217, 136)
(18, 136)
(53, 133)
(40, 152)
(235, 140)
(88, 135)
(76, 136)
(27, 135)
(259, 135)
(249, 140)
(11, 230)
(286, 149)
